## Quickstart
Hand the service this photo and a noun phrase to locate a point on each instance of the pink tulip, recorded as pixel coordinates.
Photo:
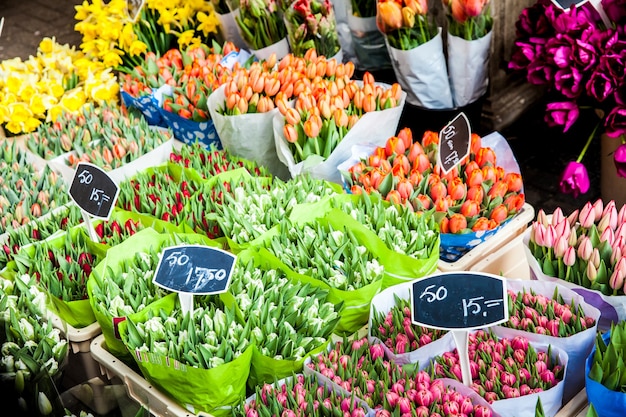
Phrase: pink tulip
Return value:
(451, 408)
(586, 217)
(422, 411)
(252, 413)
(510, 392)
(404, 404)
(358, 412)
(490, 396)
(621, 215)
(524, 374)
(392, 398)
(541, 366)
(598, 209)
(584, 248)
(520, 356)
(539, 233)
(377, 351)
(493, 373)
(550, 236)
(557, 216)
(465, 405)
(383, 413)
(560, 247)
(570, 256)
(346, 405)
(563, 229)
(548, 377)
(482, 411)
(542, 218)
(397, 387)
(607, 236)
(553, 327)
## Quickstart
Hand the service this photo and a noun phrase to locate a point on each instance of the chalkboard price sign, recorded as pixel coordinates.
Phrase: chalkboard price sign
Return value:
(566, 4)
(93, 190)
(133, 9)
(194, 269)
(459, 301)
(454, 143)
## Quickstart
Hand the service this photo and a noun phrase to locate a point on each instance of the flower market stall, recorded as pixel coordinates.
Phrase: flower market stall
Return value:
(218, 208)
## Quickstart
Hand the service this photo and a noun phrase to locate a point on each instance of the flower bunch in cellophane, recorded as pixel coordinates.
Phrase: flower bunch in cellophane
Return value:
(468, 19)
(475, 195)
(311, 24)
(261, 23)
(211, 162)
(56, 79)
(406, 23)
(324, 114)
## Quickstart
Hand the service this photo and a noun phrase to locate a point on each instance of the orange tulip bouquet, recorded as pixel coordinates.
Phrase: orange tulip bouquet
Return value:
(331, 115)
(470, 202)
(415, 45)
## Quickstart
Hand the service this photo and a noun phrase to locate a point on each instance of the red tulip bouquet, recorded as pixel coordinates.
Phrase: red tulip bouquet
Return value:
(415, 45)
(578, 55)
(311, 25)
(360, 368)
(469, 203)
(583, 251)
(550, 313)
(469, 43)
(511, 374)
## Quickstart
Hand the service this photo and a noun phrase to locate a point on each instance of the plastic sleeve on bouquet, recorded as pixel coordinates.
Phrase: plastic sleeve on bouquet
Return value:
(422, 73)
(369, 43)
(230, 30)
(280, 48)
(248, 136)
(468, 67)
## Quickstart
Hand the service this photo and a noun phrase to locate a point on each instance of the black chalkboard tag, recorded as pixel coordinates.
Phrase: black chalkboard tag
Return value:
(459, 301)
(93, 190)
(194, 269)
(133, 9)
(454, 143)
(596, 4)
(566, 4)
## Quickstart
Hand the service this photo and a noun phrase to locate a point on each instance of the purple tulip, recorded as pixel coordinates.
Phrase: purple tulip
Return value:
(584, 55)
(619, 158)
(569, 82)
(563, 113)
(600, 86)
(615, 122)
(523, 55)
(560, 49)
(540, 72)
(574, 179)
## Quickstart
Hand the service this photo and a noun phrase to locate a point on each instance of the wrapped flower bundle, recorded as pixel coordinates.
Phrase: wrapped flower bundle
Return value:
(157, 193)
(389, 389)
(299, 395)
(38, 229)
(396, 331)
(540, 314)
(476, 195)
(504, 368)
(311, 25)
(406, 23)
(57, 79)
(103, 136)
(585, 248)
(26, 193)
(324, 114)
(211, 162)
(261, 23)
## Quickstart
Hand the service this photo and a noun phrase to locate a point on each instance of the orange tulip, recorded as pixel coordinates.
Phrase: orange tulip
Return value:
(485, 156)
(401, 166)
(443, 204)
(369, 103)
(292, 116)
(405, 188)
(498, 189)
(272, 86)
(481, 224)
(331, 67)
(310, 54)
(476, 193)
(457, 223)
(231, 101)
(281, 102)
(457, 10)
(475, 143)
(312, 127)
(475, 178)
(514, 181)
(341, 117)
(394, 197)
(388, 16)
(489, 174)
(408, 17)
(352, 120)
(515, 202)
(470, 208)
(469, 167)
(265, 104)
(499, 213)
(376, 157)
(357, 169)
(430, 138)
(395, 146)
(438, 190)
(457, 189)
(242, 106)
(290, 133)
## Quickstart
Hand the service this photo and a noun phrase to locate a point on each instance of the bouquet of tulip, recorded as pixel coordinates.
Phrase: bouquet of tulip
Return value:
(111, 36)
(359, 368)
(299, 395)
(262, 28)
(469, 42)
(26, 194)
(319, 133)
(311, 25)
(550, 313)
(56, 79)
(289, 320)
(576, 54)
(37, 230)
(368, 42)
(211, 162)
(32, 353)
(583, 251)
(227, 11)
(159, 193)
(504, 369)
(603, 374)
(475, 197)
(209, 348)
(416, 48)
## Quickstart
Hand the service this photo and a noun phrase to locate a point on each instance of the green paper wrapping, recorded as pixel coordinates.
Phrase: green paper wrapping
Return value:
(76, 313)
(263, 368)
(143, 240)
(356, 304)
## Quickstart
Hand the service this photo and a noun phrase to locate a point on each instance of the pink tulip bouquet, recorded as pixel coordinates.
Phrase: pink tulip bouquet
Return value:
(579, 56)
(505, 369)
(389, 389)
(585, 252)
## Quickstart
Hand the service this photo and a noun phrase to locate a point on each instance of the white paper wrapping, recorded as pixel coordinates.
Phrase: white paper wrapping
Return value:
(248, 136)
(372, 128)
(280, 48)
(577, 346)
(384, 302)
(422, 73)
(230, 29)
(369, 43)
(468, 68)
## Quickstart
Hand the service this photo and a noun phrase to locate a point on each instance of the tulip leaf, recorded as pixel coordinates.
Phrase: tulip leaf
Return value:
(596, 372)
(603, 276)
(609, 359)
(548, 268)
(605, 251)
(612, 381)
(386, 184)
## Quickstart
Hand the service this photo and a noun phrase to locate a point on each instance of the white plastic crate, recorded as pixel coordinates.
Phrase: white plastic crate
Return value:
(140, 390)
(96, 394)
(509, 261)
(513, 228)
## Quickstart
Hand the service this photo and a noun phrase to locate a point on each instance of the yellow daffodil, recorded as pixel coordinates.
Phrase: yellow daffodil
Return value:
(208, 22)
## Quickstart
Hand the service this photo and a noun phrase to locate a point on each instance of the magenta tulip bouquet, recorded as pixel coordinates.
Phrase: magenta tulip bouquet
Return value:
(580, 58)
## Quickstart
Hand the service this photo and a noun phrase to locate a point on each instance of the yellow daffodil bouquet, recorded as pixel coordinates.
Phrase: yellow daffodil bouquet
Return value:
(110, 34)
(58, 78)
